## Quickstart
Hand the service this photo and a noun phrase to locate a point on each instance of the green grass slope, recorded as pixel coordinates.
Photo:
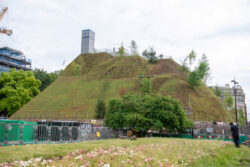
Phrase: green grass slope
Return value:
(91, 76)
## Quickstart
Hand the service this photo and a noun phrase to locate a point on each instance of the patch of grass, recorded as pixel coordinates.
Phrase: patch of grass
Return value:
(228, 156)
(124, 152)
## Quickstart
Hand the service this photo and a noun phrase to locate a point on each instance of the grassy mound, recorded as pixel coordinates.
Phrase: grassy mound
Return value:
(100, 75)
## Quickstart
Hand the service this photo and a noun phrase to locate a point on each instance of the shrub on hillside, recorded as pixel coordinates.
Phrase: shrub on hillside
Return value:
(150, 55)
(100, 109)
(145, 112)
(194, 78)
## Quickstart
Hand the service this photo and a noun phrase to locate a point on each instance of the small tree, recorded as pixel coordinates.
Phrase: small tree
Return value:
(150, 55)
(194, 78)
(204, 69)
(201, 73)
(184, 67)
(217, 91)
(228, 101)
(242, 118)
(121, 50)
(191, 57)
(100, 109)
(145, 86)
(134, 48)
(161, 56)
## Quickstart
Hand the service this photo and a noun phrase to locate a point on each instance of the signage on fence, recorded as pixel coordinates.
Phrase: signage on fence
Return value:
(209, 130)
(98, 134)
(93, 121)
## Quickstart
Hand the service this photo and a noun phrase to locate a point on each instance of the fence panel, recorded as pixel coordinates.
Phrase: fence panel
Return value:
(55, 132)
(84, 134)
(28, 133)
(65, 134)
(42, 134)
(75, 131)
(13, 133)
(245, 130)
(2, 133)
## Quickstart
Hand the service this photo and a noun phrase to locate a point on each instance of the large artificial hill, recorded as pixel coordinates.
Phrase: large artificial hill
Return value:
(101, 76)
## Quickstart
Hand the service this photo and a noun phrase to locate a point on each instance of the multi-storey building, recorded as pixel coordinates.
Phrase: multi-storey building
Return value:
(88, 41)
(11, 58)
(240, 96)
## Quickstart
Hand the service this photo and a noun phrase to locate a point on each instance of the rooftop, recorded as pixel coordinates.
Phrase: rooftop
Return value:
(11, 50)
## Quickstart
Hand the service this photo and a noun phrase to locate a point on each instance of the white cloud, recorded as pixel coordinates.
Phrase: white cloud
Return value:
(49, 31)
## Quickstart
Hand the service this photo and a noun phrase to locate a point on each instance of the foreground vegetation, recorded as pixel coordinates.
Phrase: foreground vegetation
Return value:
(117, 152)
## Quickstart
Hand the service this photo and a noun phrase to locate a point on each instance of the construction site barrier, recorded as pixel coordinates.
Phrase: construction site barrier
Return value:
(13, 132)
(19, 132)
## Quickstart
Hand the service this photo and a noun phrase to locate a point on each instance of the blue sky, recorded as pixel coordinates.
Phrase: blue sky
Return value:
(49, 31)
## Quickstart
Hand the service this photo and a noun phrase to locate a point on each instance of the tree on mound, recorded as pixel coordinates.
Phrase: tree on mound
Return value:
(201, 73)
(100, 109)
(150, 55)
(145, 112)
(16, 89)
(45, 78)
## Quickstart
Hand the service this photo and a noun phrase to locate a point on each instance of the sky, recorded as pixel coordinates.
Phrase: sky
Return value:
(49, 31)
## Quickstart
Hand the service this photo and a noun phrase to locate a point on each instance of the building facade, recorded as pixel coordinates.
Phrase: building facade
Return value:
(240, 96)
(88, 41)
(11, 58)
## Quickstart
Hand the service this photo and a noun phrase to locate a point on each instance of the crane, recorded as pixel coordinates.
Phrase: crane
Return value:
(3, 12)
(3, 29)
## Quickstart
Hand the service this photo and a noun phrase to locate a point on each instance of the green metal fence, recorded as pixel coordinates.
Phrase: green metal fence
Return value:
(21, 132)
(16, 132)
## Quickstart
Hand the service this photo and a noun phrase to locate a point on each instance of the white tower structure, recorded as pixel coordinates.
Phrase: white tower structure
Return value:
(88, 41)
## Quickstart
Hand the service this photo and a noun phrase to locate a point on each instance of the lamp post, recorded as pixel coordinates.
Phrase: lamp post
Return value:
(235, 83)
(148, 80)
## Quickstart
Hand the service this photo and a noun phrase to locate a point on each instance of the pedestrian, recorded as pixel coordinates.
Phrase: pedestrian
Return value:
(131, 135)
(235, 134)
(150, 133)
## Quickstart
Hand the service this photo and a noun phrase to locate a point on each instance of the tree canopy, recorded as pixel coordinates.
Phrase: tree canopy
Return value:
(228, 101)
(200, 73)
(121, 50)
(16, 89)
(150, 55)
(194, 78)
(45, 78)
(242, 118)
(191, 57)
(145, 112)
(217, 91)
(134, 48)
(204, 69)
